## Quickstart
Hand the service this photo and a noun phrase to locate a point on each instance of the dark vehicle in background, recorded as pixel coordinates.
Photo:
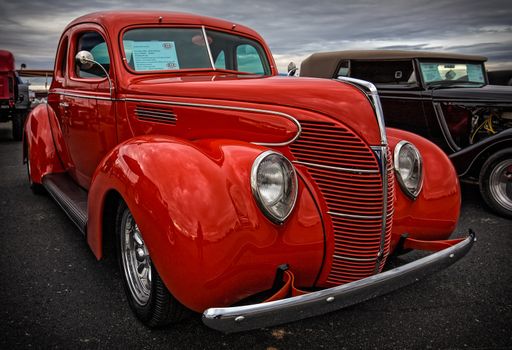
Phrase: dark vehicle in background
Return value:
(500, 77)
(445, 98)
(14, 95)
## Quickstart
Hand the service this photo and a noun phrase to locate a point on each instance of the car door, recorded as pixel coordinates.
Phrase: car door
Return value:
(87, 109)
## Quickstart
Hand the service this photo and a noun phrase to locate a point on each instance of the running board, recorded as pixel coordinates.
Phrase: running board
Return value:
(70, 197)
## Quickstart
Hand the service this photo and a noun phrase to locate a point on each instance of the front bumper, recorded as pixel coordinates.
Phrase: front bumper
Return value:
(242, 318)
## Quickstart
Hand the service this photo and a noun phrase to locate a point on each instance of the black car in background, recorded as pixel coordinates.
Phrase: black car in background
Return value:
(444, 97)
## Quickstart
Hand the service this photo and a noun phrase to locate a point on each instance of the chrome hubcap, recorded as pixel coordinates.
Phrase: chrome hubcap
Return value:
(136, 261)
(500, 182)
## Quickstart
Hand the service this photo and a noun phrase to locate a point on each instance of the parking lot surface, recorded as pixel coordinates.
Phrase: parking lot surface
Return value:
(55, 294)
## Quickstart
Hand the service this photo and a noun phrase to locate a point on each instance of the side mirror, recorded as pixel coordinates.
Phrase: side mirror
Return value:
(84, 59)
(292, 69)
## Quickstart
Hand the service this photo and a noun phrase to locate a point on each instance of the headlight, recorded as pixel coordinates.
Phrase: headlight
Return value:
(408, 168)
(274, 185)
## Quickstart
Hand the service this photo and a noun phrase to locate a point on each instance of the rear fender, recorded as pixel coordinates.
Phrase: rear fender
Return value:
(205, 233)
(433, 215)
(38, 146)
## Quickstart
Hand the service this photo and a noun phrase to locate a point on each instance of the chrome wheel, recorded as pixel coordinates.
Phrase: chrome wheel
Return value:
(135, 260)
(500, 183)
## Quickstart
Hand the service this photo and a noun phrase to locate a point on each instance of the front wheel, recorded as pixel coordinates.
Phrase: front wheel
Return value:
(496, 182)
(147, 295)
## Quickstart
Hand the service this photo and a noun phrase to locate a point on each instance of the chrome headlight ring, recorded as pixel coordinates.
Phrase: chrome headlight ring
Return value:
(408, 168)
(274, 185)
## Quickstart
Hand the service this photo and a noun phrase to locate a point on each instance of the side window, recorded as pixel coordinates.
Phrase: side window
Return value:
(248, 59)
(220, 61)
(95, 44)
(384, 72)
(63, 58)
(343, 69)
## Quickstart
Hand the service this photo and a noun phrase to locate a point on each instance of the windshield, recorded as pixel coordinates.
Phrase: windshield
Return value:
(170, 49)
(452, 73)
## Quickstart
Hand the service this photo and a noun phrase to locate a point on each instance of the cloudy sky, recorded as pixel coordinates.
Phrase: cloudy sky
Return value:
(293, 28)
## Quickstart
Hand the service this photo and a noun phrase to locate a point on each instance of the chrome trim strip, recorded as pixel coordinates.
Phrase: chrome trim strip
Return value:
(354, 259)
(230, 108)
(149, 111)
(473, 103)
(156, 116)
(145, 117)
(208, 47)
(349, 170)
(242, 318)
(157, 119)
(384, 166)
(343, 215)
(201, 105)
(373, 94)
(406, 98)
(91, 97)
(444, 127)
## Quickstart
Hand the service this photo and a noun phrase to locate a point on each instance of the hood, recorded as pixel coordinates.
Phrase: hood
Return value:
(334, 99)
(485, 94)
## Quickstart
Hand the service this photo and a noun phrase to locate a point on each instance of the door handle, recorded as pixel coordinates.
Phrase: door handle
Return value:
(64, 104)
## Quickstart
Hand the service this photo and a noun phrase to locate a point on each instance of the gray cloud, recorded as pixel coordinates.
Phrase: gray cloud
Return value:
(293, 28)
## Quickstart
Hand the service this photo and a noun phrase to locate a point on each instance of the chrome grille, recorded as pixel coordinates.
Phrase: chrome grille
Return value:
(347, 172)
(156, 114)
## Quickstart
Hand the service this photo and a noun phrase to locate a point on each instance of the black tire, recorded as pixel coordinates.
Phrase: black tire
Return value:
(36, 188)
(18, 120)
(158, 308)
(496, 182)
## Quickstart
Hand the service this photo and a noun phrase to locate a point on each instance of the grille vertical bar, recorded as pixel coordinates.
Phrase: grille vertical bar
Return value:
(348, 174)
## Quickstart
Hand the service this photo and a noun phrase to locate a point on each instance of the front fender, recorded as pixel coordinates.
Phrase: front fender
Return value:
(469, 160)
(434, 214)
(205, 233)
(38, 145)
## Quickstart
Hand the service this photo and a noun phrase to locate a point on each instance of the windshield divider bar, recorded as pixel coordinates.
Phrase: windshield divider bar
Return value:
(208, 47)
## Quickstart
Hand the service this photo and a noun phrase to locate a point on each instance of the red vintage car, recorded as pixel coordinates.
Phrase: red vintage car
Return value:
(228, 190)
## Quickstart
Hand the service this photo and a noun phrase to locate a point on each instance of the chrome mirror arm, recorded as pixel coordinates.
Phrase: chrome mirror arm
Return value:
(86, 58)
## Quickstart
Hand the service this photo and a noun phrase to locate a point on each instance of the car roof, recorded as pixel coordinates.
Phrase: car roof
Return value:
(324, 64)
(116, 20)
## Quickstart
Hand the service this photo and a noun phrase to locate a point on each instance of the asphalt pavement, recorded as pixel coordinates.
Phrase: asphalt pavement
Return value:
(55, 294)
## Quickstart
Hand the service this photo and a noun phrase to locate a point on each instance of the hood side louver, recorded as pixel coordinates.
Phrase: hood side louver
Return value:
(156, 114)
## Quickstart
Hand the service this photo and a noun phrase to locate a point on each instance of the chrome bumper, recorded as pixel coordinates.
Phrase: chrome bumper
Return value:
(242, 318)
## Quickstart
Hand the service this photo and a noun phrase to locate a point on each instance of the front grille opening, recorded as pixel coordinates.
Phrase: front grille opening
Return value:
(348, 175)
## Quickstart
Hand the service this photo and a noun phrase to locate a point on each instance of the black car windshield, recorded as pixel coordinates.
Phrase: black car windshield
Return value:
(448, 74)
(171, 49)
